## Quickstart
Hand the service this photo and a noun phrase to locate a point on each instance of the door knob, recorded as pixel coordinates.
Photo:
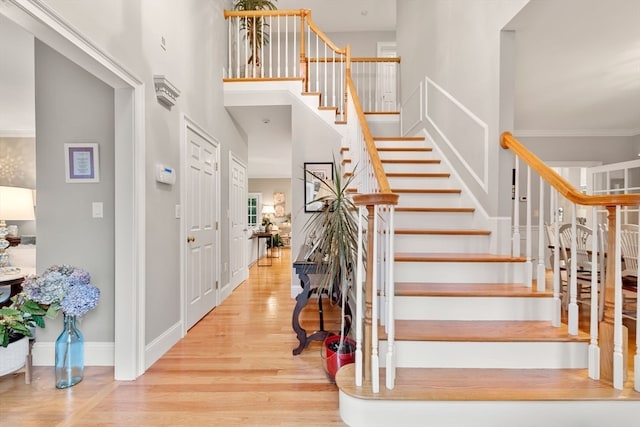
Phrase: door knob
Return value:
(191, 239)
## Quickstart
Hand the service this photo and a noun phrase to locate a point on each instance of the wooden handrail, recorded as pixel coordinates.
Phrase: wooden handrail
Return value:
(249, 13)
(378, 170)
(323, 36)
(508, 141)
(361, 59)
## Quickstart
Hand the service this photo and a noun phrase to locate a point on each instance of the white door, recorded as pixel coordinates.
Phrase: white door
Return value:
(238, 269)
(201, 212)
(387, 75)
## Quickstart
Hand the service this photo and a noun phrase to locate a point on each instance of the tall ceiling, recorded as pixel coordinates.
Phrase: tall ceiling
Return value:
(577, 70)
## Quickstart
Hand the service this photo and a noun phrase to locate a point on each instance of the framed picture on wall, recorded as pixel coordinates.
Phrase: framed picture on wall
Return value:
(314, 173)
(81, 162)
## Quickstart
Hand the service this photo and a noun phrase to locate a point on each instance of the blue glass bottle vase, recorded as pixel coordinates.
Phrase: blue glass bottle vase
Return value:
(69, 354)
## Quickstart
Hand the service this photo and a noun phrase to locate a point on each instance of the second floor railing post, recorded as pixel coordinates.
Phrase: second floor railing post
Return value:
(304, 61)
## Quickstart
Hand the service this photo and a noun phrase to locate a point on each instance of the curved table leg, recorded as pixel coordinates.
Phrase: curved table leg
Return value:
(301, 301)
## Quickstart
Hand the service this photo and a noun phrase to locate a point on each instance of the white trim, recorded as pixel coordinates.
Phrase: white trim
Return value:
(187, 123)
(567, 133)
(484, 181)
(95, 353)
(17, 133)
(159, 346)
(46, 25)
(411, 96)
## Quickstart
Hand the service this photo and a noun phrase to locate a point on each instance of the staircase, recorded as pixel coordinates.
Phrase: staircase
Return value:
(474, 346)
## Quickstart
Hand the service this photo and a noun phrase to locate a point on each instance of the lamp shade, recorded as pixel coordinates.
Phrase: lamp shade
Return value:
(16, 203)
(268, 210)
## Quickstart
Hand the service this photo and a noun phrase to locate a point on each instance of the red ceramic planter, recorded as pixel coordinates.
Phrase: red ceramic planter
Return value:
(333, 360)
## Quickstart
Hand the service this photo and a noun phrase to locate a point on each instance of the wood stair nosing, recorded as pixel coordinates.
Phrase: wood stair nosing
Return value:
(427, 190)
(456, 257)
(441, 231)
(399, 138)
(404, 149)
(433, 210)
(431, 289)
(482, 331)
(412, 161)
(418, 175)
(486, 384)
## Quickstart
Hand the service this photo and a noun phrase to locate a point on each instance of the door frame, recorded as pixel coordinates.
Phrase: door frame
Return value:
(129, 234)
(186, 124)
(245, 252)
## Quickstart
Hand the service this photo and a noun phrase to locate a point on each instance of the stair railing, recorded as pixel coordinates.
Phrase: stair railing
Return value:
(287, 44)
(607, 337)
(279, 41)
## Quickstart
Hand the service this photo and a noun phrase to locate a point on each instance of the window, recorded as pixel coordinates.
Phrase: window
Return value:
(253, 209)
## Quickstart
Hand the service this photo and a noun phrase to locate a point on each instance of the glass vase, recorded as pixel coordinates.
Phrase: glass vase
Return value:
(69, 354)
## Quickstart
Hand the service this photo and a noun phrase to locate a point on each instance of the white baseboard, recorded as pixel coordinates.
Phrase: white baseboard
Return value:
(95, 353)
(158, 347)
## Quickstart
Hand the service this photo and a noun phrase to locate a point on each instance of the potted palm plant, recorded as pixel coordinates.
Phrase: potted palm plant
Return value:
(254, 30)
(333, 231)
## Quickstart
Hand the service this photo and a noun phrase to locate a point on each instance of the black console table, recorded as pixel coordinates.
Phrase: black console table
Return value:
(303, 269)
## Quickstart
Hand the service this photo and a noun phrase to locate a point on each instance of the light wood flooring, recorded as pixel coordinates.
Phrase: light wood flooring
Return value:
(235, 367)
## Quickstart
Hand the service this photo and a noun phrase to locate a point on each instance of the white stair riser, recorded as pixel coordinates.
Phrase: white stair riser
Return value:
(440, 243)
(483, 354)
(421, 200)
(387, 128)
(435, 219)
(473, 308)
(462, 272)
(403, 155)
(357, 412)
(417, 182)
(413, 167)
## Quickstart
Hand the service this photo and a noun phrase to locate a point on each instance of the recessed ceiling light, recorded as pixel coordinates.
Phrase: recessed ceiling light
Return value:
(266, 120)
(364, 12)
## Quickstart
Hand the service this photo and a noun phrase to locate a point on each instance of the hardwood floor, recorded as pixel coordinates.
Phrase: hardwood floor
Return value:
(234, 367)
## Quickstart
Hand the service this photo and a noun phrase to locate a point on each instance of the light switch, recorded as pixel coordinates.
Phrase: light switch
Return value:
(97, 209)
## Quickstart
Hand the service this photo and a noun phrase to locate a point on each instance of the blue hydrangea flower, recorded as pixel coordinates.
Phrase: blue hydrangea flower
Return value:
(80, 299)
(46, 289)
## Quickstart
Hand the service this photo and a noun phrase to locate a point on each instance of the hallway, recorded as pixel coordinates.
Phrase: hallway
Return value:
(234, 367)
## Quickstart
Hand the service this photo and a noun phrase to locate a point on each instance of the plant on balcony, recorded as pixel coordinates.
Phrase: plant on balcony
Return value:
(254, 27)
(333, 231)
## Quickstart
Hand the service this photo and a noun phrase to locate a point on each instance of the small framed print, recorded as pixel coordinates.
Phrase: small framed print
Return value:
(81, 162)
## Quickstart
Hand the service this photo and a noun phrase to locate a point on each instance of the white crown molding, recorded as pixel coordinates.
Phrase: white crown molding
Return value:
(567, 133)
(166, 92)
(17, 133)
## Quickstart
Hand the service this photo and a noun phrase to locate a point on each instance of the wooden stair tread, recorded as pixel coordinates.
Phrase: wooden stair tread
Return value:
(482, 331)
(427, 190)
(404, 149)
(468, 290)
(440, 231)
(418, 175)
(487, 385)
(434, 210)
(399, 138)
(412, 161)
(454, 257)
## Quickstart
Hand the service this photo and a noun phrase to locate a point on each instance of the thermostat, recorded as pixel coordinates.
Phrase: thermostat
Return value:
(165, 174)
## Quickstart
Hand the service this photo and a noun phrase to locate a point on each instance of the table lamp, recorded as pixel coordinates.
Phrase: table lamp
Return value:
(16, 204)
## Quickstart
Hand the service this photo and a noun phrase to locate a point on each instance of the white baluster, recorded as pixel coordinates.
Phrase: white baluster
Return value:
(528, 264)
(541, 272)
(556, 259)
(375, 364)
(573, 282)
(359, 299)
(391, 329)
(515, 243)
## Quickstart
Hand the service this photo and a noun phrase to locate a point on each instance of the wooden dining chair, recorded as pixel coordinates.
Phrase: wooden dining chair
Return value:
(580, 254)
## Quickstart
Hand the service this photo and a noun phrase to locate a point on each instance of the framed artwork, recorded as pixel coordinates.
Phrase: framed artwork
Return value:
(279, 204)
(81, 162)
(313, 174)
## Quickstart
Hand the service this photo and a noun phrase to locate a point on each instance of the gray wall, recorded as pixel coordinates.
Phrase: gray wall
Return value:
(192, 59)
(457, 45)
(74, 106)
